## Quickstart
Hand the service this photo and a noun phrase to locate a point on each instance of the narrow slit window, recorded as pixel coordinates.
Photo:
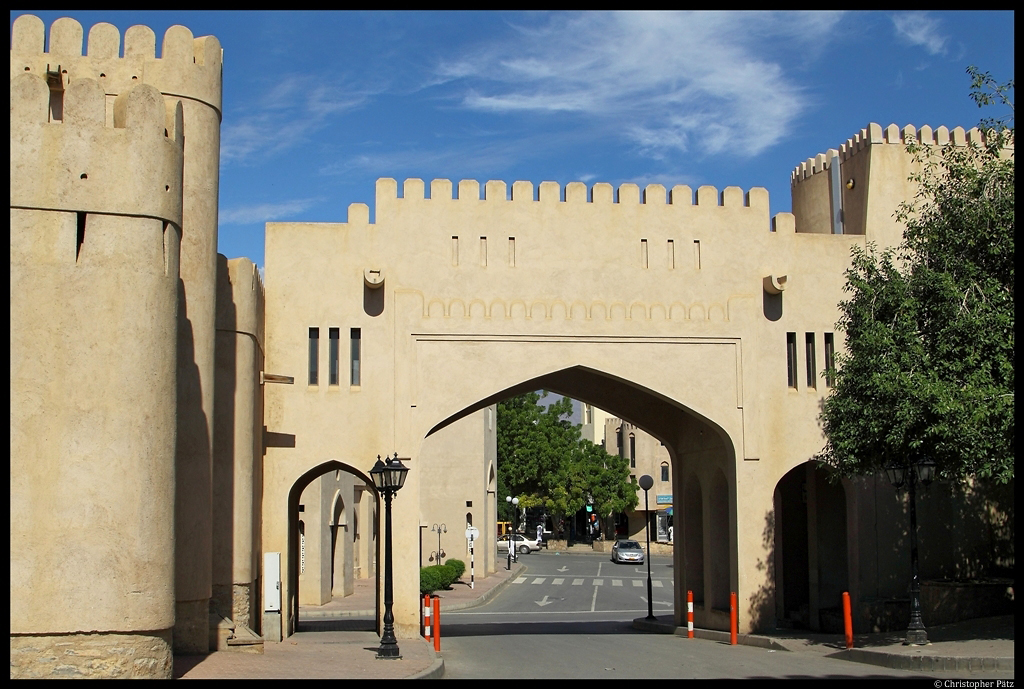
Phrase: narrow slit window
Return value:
(483, 251)
(632, 450)
(696, 254)
(512, 251)
(671, 254)
(335, 336)
(79, 235)
(643, 253)
(791, 359)
(664, 471)
(455, 250)
(356, 356)
(830, 360)
(314, 356)
(809, 354)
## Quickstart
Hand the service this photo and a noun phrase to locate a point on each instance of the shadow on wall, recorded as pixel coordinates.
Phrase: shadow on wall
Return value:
(762, 603)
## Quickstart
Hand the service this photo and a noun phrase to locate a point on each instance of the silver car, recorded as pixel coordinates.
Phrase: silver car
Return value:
(627, 551)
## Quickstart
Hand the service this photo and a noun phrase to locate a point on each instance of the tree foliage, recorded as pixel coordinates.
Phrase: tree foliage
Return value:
(928, 370)
(543, 460)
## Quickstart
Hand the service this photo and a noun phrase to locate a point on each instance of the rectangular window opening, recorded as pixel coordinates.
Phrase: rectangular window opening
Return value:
(356, 355)
(830, 360)
(455, 250)
(809, 354)
(335, 336)
(671, 254)
(791, 359)
(314, 356)
(483, 251)
(696, 254)
(512, 251)
(664, 472)
(643, 253)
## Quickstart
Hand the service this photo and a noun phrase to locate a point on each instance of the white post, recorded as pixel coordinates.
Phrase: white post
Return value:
(471, 535)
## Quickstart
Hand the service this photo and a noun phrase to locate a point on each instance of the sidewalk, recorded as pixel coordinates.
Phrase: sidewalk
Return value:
(338, 641)
(971, 646)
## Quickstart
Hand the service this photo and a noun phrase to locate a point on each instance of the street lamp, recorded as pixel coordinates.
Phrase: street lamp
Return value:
(388, 478)
(439, 528)
(646, 482)
(511, 537)
(900, 474)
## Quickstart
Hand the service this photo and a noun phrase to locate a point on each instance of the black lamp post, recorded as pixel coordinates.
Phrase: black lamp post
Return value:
(511, 537)
(439, 528)
(900, 474)
(388, 478)
(646, 482)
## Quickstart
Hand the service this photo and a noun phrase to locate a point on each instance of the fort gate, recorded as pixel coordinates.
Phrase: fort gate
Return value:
(695, 316)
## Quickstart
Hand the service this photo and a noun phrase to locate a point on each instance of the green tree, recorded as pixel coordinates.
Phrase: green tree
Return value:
(543, 460)
(928, 370)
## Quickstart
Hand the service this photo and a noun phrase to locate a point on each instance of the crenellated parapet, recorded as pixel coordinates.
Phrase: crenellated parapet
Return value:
(574, 193)
(875, 134)
(132, 167)
(188, 67)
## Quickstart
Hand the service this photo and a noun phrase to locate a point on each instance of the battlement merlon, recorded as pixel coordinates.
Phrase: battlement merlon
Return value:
(187, 68)
(80, 164)
(628, 194)
(875, 134)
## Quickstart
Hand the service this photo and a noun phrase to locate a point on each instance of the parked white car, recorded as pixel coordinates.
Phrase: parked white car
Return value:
(523, 544)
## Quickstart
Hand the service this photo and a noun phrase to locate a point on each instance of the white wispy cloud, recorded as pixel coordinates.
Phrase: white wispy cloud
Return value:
(265, 212)
(286, 115)
(919, 29)
(698, 81)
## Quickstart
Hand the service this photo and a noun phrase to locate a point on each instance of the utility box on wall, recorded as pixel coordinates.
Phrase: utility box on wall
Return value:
(272, 596)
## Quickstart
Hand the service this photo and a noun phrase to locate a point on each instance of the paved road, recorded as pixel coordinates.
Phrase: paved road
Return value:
(570, 617)
(563, 583)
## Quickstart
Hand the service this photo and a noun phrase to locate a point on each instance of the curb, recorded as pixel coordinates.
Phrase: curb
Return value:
(899, 661)
(895, 661)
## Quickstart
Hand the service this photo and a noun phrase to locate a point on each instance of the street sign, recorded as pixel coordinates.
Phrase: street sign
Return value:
(472, 533)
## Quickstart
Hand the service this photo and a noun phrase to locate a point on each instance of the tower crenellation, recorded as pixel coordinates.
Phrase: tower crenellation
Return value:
(188, 67)
(874, 134)
(131, 167)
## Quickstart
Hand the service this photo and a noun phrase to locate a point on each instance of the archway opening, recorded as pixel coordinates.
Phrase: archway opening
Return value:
(330, 559)
(810, 549)
(694, 444)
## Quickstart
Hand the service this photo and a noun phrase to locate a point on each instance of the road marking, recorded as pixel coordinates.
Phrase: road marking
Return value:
(598, 582)
(557, 582)
(616, 582)
(538, 580)
(563, 569)
(544, 602)
(656, 583)
(577, 582)
(519, 580)
(637, 582)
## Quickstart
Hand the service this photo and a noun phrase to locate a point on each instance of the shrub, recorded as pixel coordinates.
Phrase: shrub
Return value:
(458, 566)
(430, 580)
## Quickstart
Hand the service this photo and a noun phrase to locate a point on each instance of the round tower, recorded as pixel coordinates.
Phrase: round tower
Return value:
(188, 71)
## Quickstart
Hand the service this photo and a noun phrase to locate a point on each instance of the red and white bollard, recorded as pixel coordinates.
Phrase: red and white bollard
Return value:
(732, 619)
(426, 616)
(847, 620)
(689, 614)
(437, 623)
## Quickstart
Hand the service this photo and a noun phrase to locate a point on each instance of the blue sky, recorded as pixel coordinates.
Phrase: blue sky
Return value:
(318, 105)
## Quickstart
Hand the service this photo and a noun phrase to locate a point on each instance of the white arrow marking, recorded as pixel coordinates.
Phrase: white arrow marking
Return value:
(657, 602)
(544, 602)
(562, 569)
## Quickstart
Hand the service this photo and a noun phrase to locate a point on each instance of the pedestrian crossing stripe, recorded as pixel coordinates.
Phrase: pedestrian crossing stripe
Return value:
(655, 583)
